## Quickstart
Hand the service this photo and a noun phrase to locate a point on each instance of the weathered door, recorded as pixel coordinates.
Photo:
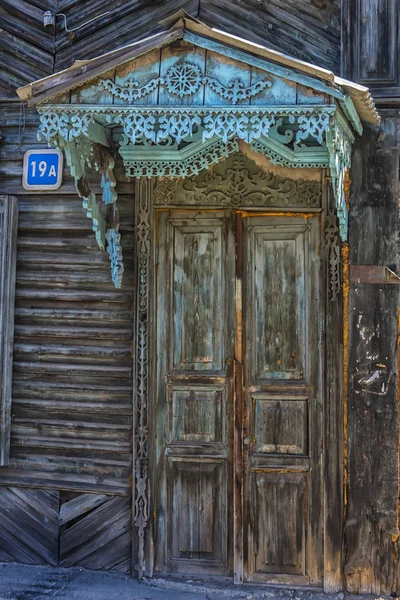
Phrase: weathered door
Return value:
(238, 409)
(194, 395)
(282, 438)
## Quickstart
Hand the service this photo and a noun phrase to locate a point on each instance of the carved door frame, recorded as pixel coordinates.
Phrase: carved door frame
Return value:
(143, 400)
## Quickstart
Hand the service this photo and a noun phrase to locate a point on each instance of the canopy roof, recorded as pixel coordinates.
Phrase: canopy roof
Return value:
(177, 102)
(186, 28)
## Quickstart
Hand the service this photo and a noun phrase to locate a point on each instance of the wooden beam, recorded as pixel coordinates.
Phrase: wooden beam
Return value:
(8, 259)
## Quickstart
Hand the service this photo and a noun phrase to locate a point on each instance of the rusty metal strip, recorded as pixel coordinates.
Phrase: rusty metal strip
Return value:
(375, 274)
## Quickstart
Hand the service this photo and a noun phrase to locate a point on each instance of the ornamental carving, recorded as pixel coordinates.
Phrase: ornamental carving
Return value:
(157, 124)
(114, 250)
(185, 79)
(332, 245)
(199, 158)
(338, 142)
(238, 182)
(141, 509)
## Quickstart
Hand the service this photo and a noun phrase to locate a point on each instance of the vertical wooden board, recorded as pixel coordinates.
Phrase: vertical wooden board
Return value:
(371, 46)
(280, 509)
(224, 70)
(93, 92)
(281, 93)
(140, 71)
(333, 420)
(64, 98)
(172, 56)
(377, 20)
(8, 261)
(306, 95)
(371, 534)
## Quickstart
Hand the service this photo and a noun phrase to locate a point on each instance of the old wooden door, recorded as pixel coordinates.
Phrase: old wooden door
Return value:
(238, 411)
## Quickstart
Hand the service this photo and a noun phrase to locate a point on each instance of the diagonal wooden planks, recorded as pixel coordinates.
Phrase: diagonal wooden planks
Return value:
(26, 48)
(50, 527)
(96, 532)
(306, 29)
(29, 525)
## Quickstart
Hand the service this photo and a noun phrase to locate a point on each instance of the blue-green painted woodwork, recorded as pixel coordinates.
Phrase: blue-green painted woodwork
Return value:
(177, 111)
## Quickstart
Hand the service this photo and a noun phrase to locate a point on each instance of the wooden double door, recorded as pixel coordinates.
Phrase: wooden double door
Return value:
(238, 451)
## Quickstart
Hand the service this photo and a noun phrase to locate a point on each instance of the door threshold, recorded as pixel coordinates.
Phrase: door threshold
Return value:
(223, 587)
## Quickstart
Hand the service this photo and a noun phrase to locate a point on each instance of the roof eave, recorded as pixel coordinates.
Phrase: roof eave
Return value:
(82, 71)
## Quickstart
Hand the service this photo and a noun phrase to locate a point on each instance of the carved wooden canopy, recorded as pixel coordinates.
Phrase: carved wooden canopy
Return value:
(174, 104)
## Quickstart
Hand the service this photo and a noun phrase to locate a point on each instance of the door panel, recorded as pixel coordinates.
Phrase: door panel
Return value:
(280, 426)
(197, 414)
(284, 412)
(276, 287)
(197, 527)
(197, 294)
(194, 391)
(280, 502)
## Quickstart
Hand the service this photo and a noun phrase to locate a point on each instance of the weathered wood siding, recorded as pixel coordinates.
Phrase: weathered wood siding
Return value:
(8, 256)
(372, 533)
(26, 48)
(306, 29)
(371, 45)
(72, 384)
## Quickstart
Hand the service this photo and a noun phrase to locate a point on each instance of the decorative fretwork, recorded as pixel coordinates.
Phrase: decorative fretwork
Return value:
(79, 155)
(312, 126)
(236, 90)
(132, 90)
(156, 124)
(339, 140)
(332, 245)
(74, 133)
(141, 503)
(177, 163)
(291, 135)
(185, 79)
(114, 250)
(238, 182)
(280, 155)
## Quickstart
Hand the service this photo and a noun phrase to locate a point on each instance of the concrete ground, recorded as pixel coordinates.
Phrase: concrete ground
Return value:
(25, 582)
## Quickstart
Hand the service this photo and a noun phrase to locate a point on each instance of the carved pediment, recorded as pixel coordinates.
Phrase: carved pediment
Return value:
(238, 182)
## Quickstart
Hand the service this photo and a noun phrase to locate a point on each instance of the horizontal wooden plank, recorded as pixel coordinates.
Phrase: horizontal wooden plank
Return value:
(80, 505)
(24, 474)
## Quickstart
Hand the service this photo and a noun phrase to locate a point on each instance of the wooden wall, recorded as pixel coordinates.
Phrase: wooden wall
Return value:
(372, 527)
(71, 436)
(70, 343)
(370, 35)
(26, 49)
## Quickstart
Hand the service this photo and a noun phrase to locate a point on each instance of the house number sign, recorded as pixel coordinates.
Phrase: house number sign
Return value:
(42, 170)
